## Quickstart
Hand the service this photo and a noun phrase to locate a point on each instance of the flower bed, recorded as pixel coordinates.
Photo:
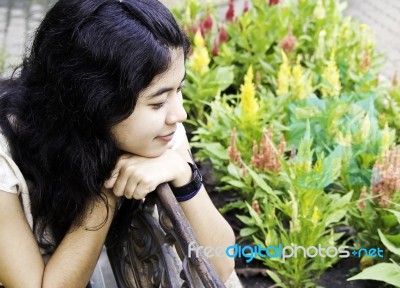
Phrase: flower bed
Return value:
(286, 102)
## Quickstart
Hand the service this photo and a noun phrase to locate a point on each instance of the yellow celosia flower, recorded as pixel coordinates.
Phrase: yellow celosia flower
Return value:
(331, 77)
(345, 28)
(295, 225)
(344, 140)
(283, 76)
(387, 139)
(248, 99)
(315, 216)
(363, 133)
(318, 165)
(301, 87)
(200, 58)
(366, 37)
(198, 39)
(366, 261)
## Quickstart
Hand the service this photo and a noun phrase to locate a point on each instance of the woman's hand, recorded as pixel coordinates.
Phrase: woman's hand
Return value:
(136, 176)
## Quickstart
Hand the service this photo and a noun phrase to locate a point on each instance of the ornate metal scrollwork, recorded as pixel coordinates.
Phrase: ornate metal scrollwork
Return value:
(143, 246)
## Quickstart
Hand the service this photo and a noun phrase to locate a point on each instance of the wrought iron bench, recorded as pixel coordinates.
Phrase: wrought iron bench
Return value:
(143, 250)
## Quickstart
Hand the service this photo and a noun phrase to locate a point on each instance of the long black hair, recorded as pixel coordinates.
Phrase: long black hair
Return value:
(89, 61)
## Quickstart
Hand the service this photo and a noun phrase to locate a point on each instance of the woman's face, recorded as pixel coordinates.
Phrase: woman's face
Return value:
(149, 129)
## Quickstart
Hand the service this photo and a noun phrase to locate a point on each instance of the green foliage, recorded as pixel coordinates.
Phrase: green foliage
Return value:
(293, 209)
(388, 103)
(386, 272)
(202, 89)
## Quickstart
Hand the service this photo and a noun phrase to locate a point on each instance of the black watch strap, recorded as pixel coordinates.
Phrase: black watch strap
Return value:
(188, 191)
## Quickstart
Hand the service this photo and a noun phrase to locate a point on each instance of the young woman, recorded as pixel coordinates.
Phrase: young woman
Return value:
(94, 114)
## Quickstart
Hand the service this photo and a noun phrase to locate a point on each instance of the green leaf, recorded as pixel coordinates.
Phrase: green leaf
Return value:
(395, 239)
(386, 272)
(233, 171)
(224, 76)
(389, 220)
(274, 276)
(396, 213)
(236, 183)
(389, 245)
(260, 182)
(246, 220)
(248, 231)
(344, 200)
(336, 216)
(218, 150)
(254, 215)
(266, 66)
(233, 205)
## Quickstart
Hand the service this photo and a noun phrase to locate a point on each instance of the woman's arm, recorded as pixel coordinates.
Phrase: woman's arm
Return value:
(75, 258)
(210, 228)
(135, 177)
(71, 265)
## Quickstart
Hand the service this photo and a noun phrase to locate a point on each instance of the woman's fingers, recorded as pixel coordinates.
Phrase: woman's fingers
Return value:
(111, 181)
(130, 188)
(131, 184)
(142, 190)
(115, 173)
(135, 176)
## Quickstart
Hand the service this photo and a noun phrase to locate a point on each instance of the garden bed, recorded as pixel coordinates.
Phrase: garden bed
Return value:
(253, 274)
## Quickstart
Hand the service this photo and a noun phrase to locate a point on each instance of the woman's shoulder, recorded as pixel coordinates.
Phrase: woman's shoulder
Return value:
(11, 178)
(10, 175)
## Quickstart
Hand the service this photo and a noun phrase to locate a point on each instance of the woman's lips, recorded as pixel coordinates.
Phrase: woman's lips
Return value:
(166, 138)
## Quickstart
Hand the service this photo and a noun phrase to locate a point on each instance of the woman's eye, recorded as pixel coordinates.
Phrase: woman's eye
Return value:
(158, 105)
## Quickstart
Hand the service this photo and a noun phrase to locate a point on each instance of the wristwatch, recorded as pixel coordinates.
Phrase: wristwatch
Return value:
(188, 191)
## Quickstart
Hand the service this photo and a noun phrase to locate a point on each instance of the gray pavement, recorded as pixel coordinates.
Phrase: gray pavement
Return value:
(383, 18)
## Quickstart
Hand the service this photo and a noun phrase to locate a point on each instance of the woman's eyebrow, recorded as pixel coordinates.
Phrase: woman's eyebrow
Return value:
(164, 90)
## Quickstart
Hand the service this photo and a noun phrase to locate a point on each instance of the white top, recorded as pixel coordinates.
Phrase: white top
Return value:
(12, 180)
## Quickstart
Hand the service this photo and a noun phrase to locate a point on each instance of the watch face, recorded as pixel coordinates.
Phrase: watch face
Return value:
(197, 176)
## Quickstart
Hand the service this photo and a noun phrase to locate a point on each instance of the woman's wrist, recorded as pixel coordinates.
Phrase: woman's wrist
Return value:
(189, 190)
(183, 175)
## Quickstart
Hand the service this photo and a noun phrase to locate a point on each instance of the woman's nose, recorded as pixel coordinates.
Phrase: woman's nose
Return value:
(177, 112)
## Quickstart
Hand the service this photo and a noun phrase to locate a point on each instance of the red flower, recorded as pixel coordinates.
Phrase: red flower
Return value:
(246, 7)
(289, 42)
(230, 13)
(215, 49)
(273, 2)
(194, 28)
(223, 36)
(208, 22)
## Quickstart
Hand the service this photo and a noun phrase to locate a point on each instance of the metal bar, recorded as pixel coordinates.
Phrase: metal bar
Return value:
(181, 225)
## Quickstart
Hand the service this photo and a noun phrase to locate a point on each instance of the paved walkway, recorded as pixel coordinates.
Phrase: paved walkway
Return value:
(383, 18)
